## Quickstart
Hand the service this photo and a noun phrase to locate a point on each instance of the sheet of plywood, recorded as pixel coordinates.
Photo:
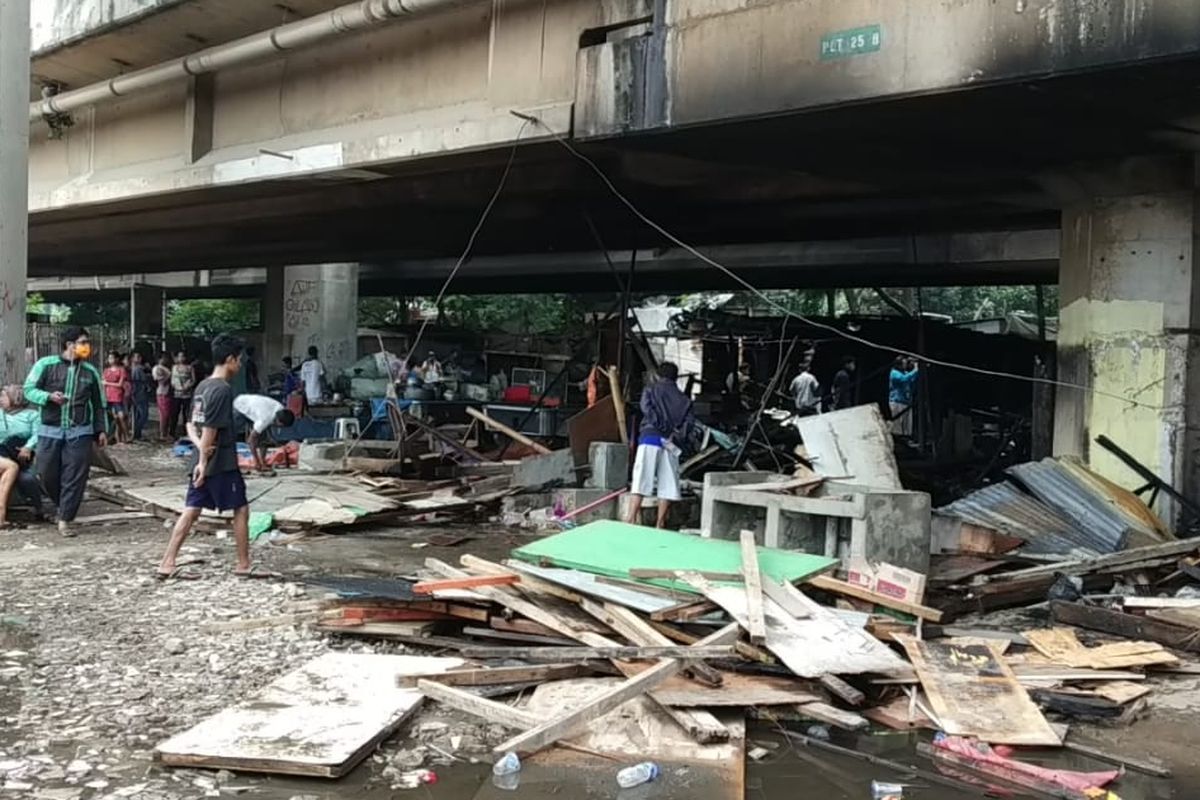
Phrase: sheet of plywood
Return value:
(318, 720)
(1063, 647)
(821, 644)
(853, 441)
(973, 692)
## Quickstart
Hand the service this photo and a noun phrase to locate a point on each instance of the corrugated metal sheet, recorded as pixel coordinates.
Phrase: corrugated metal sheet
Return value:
(1106, 529)
(1005, 508)
(1123, 500)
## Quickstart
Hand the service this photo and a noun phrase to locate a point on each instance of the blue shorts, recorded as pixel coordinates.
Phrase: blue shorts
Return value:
(224, 491)
(116, 408)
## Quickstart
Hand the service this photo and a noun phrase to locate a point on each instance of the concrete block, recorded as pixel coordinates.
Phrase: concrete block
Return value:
(610, 465)
(553, 469)
(567, 500)
(323, 456)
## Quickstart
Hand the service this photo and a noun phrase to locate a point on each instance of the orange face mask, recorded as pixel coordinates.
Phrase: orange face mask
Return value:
(83, 350)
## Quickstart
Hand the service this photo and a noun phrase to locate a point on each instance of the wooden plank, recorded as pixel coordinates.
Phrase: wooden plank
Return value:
(823, 712)
(784, 595)
(631, 687)
(684, 612)
(756, 624)
(511, 433)
(583, 583)
(843, 690)
(1161, 602)
(550, 732)
(1063, 647)
(901, 714)
(677, 575)
(1121, 692)
(974, 692)
(1146, 767)
(639, 632)
(508, 600)
(518, 625)
(823, 644)
(429, 587)
(116, 516)
(576, 654)
(641, 731)
(850, 590)
(476, 706)
(1114, 562)
(618, 399)
(737, 690)
(512, 636)
(492, 676)
(318, 720)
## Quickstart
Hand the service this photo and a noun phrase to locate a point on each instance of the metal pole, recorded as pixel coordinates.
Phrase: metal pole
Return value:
(14, 185)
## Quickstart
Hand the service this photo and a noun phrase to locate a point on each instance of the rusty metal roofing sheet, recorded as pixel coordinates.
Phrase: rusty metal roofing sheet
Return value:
(1106, 529)
(1005, 508)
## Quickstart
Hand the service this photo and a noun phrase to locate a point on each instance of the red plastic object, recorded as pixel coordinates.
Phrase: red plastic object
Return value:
(518, 394)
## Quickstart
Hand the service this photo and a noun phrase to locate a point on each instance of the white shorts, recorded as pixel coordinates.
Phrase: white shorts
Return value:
(656, 472)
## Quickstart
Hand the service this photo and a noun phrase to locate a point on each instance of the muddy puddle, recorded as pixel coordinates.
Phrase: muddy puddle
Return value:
(791, 772)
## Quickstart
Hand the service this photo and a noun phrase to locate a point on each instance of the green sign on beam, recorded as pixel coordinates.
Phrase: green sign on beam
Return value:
(854, 42)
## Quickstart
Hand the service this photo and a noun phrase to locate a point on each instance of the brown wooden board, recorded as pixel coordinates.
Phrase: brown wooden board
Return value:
(595, 424)
(1126, 625)
(318, 720)
(973, 692)
(1061, 646)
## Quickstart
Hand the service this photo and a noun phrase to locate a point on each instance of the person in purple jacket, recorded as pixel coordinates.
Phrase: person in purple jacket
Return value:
(666, 418)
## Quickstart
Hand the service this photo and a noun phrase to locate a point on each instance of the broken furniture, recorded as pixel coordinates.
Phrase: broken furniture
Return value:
(839, 519)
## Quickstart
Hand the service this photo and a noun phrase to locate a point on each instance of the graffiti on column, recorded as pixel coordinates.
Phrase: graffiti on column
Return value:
(302, 306)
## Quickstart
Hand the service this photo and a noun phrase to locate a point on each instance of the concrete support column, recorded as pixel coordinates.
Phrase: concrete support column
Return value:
(147, 314)
(14, 185)
(320, 309)
(1128, 326)
(274, 344)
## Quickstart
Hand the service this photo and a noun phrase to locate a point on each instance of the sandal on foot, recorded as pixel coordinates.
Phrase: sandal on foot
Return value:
(256, 573)
(180, 573)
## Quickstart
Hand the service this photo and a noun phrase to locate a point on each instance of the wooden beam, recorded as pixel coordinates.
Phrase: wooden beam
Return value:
(508, 600)
(857, 592)
(511, 433)
(757, 623)
(429, 587)
(614, 382)
(1128, 626)
(685, 611)
(550, 732)
(477, 706)
(493, 676)
(576, 654)
(823, 712)
(843, 690)
(640, 632)
(675, 574)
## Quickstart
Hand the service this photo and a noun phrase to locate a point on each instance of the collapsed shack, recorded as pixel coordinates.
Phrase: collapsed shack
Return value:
(610, 644)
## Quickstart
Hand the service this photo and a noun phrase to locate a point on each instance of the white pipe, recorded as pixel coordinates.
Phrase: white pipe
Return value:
(293, 36)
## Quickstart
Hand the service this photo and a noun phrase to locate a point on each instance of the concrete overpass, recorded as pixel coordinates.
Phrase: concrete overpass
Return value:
(731, 122)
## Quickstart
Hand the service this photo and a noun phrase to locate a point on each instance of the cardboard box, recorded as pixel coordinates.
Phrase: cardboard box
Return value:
(888, 580)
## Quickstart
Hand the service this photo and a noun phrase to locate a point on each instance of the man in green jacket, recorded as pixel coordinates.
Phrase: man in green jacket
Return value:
(69, 391)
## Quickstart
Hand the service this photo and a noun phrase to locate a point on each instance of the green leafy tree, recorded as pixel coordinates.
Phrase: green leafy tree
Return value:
(529, 313)
(382, 312)
(210, 317)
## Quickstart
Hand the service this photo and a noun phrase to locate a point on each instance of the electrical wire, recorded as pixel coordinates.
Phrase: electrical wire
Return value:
(466, 253)
(808, 321)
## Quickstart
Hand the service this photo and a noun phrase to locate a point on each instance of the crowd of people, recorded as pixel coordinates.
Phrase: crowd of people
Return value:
(66, 407)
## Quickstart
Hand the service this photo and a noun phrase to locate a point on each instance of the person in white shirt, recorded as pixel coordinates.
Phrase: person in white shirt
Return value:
(806, 392)
(255, 414)
(312, 372)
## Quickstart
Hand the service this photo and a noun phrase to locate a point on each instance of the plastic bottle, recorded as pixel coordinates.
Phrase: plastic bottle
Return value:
(637, 774)
(507, 765)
